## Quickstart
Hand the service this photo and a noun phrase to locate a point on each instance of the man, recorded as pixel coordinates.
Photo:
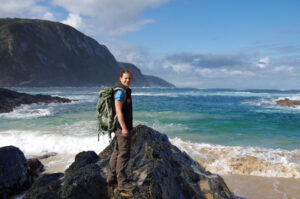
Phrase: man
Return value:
(121, 154)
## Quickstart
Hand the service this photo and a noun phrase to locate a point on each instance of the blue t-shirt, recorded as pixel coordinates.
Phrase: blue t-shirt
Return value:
(119, 96)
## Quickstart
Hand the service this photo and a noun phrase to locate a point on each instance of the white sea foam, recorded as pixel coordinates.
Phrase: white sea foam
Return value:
(157, 94)
(243, 160)
(170, 115)
(163, 128)
(35, 143)
(52, 93)
(210, 93)
(272, 106)
(27, 112)
(82, 98)
(238, 94)
(290, 97)
(66, 138)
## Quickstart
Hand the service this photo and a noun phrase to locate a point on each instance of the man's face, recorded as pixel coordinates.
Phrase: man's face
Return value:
(126, 79)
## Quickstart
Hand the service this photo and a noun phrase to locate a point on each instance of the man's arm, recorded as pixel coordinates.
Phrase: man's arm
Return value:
(118, 106)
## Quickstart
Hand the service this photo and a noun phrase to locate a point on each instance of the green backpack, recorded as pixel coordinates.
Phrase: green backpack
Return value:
(107, 117)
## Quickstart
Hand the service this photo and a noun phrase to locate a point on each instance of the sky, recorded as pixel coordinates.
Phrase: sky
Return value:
(240, 44)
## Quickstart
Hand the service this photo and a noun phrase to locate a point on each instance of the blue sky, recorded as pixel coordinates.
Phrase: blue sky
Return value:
(190, 43)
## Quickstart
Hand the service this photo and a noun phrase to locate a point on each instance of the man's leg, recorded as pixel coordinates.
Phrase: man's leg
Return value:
(123, 158)
(111, 177)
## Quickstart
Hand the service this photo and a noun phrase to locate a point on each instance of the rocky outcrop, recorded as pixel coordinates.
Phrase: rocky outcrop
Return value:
(35, 167)
(159, 168)
(11, 99)
(16, 173)
(43, 53)
(287, 102)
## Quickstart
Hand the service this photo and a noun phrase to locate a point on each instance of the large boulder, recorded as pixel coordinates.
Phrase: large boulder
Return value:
(10, 99)
(16, 173)
(159, 168)
(82, 179)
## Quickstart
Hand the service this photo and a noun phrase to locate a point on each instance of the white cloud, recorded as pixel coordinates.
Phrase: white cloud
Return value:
(73, 20)
(131, 27)
(113, 8)
(178, 68)
(49, 16)
(109, 17)
(25, 9)
(223, 73)
(262, 63)
(96, 17)
(10, 8)
(242, 73)
(126, 52)
(283, 68)
(205, 72)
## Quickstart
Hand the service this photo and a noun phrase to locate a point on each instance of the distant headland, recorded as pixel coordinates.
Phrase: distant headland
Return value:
(43, 53)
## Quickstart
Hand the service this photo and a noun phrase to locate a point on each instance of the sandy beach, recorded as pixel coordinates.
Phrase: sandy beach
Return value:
(256, 187)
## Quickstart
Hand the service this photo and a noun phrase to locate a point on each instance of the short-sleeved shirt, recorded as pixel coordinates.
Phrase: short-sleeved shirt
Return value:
(119, 96)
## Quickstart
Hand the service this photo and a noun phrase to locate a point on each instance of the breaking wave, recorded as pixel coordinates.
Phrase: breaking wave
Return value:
(28, 112)
(243, 160)
(60, 139)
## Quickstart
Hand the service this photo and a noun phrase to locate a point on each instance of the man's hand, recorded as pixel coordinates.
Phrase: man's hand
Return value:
(125, 133)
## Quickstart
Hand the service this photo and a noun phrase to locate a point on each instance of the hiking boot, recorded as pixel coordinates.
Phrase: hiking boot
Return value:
(126, 187)
(111, 180)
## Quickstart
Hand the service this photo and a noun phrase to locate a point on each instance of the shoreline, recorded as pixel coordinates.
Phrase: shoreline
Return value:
(243, 186)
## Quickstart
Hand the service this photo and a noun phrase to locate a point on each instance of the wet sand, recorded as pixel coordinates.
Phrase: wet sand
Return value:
(57, 163)
(256, 187)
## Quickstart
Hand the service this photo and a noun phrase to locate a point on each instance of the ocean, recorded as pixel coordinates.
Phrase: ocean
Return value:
(230, 132)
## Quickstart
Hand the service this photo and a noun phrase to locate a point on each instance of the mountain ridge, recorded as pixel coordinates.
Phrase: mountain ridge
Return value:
(42, 53)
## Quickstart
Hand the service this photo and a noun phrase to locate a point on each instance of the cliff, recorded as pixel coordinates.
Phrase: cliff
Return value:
(43, 53)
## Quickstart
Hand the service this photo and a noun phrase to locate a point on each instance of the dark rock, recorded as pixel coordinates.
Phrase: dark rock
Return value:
(35, 167)
(81, 180)
(46, 187)
(10, 99)
(289, 103)
(159, 168)
(82, 159)
(14, 171)
(85, 181)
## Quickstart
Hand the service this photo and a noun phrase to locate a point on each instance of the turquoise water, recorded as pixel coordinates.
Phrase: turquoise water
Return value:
(195, 120)
(226, 117)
